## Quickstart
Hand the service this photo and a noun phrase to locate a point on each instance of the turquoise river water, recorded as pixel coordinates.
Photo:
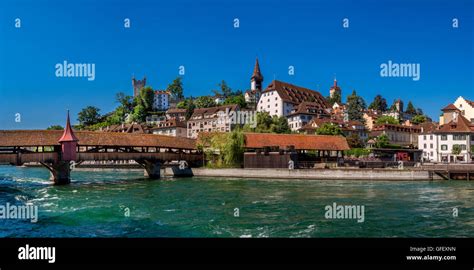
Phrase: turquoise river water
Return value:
(121, 203)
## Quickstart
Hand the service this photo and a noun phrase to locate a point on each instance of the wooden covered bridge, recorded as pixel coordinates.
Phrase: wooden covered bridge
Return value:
(57, 150)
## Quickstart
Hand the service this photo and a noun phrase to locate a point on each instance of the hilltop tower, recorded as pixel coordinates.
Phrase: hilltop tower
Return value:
(335, 89)
(137, 85)
(257, 78)
(398, 105)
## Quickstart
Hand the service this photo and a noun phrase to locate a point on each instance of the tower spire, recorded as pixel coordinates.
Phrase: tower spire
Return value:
(68, 135)
(257, 78)
(256, 71)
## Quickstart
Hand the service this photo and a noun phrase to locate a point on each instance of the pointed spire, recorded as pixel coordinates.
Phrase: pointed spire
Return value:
(335, 81)
(68, 135)
(256, 71)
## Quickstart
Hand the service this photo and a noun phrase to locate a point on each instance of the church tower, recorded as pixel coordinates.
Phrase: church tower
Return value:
(257, 78)
(335, 89)
(137, 85)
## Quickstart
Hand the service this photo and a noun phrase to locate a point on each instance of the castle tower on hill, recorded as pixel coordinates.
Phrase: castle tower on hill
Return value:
(137, 85)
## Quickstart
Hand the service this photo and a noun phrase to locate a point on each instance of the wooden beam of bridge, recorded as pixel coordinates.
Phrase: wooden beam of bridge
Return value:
(53, 157)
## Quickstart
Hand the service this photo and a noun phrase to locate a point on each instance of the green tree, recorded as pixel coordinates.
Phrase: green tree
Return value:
(234, 148)
(410, 108)
(145, 98)
(355, 107)
(89, 116)
(418, 119)
(387, 119)
(176, 89)
(279, 125)
(118, 116)
(329, 129)
(125, 101)
(139, 114)
(382, 141)
(379, 104)
(224, 90)
(55, 127)
(456, 149)
(336, 98)
(472, 149)
(264, 121)
(204, 102)
(269, 124)
(354, 141)
(236, 99)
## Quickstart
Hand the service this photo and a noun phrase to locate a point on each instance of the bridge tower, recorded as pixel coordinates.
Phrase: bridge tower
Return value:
(61, 170)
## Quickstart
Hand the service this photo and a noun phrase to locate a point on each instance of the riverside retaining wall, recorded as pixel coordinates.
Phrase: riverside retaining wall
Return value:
(315, 174)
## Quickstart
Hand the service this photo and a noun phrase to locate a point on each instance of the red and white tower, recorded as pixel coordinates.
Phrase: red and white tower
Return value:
(68, 142)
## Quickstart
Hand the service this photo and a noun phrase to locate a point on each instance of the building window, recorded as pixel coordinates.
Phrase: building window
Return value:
(431, 146)
(424, 137)
(444, 137)
(444, 147)
(424, 146)
(459, 137)
(431, 137)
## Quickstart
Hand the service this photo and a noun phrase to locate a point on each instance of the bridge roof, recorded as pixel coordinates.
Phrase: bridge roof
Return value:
(25, 138)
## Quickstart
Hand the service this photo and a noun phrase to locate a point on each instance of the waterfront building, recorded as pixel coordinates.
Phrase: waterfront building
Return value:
(137, 85)
(281, 98)
(463, 106)
(171, 127)
(268, 150)
(460, 132)
(213, 119)
(397, 134)
(302, 114)
(253, 94)
(428, 142)
(161, 100)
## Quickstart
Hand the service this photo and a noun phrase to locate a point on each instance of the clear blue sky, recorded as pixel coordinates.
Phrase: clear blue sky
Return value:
(200, 36)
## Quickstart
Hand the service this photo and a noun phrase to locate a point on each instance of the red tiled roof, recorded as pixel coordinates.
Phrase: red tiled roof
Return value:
(298, 141)
(470, 102)
(68, 135)
(312, 108)
(296, 94)
(450, 107)
(213, 110)
(26, 138)
(175, 110)
(428, 127)
(170, 123)
(256, 71)
(460, 125)
(381, 127)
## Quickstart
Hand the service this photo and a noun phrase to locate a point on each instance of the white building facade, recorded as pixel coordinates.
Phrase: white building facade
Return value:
(450, 143)
(280, 98)
(161, 101)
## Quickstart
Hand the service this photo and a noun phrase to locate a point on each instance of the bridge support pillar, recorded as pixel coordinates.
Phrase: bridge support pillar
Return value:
(152, 169)
(60, 172)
